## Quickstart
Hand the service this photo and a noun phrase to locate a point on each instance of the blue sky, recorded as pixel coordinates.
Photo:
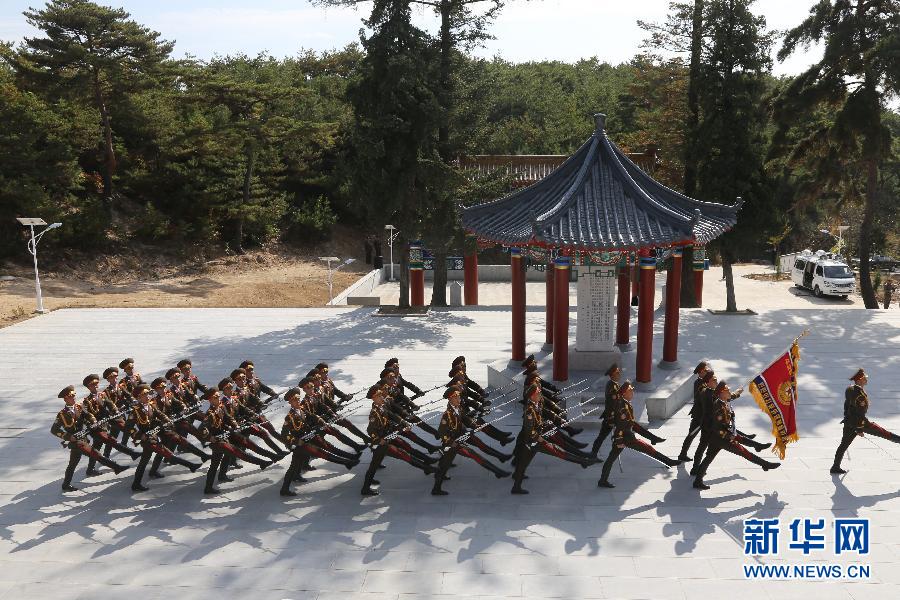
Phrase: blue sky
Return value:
(536, 30)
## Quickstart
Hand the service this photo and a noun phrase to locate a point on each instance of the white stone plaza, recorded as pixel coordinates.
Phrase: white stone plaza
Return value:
(653, 537)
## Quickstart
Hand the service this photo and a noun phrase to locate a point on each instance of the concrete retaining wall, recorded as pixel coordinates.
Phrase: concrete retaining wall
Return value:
(364, 286)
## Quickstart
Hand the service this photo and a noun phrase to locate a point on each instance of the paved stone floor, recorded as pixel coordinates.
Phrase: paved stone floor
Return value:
(651, 537)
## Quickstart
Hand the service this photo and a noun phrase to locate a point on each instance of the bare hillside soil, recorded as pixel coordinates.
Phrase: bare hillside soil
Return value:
(147, 277)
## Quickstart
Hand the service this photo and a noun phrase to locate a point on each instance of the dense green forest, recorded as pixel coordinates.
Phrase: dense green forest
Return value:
(103, 130)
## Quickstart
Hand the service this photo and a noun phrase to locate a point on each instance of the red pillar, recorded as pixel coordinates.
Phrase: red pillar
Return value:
(673, 304)
(416, 275)
(470, 278)
(550, 297)
(561, 319)
(623, 303)
(518, 303)
(647, 265)
(699, 267)
(635, 279)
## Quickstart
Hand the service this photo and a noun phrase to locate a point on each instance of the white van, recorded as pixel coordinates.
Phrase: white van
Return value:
(823, 273)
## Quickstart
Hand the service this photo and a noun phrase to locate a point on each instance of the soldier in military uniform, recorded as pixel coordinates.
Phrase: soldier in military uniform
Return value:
(707, 420)
(381, 428)
(189, 380)
(257, 387)
(856, 424)
(252, 405)
(328, 409)
(453, 426)
(218, 426)
(624, 436)
(149, 421)
(723, 435)
(175, 412)
(71, 425)
(531, 440)
(119, 401)
(331, 390)
(131, 378)
(402, 383)
(607, 417)
(101, 411)
(696, 412)
(550, 392)
(298, 424)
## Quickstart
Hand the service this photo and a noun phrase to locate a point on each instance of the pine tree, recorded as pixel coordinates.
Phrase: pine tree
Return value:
(93, 54)
(858, 73)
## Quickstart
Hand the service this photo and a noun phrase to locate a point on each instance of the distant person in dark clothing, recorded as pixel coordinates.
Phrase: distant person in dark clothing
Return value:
(889, 288)
(368, 245)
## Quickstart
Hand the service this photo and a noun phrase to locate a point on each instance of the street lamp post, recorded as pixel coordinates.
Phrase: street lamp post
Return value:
(31, 223)
(328, 260)
(393, 232)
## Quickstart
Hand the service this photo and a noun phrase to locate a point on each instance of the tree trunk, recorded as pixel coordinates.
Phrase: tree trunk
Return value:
(865, 236)
(237, 240)
(693, 102)
(439, 287)
(730, 301)
(109, 153)
(688, 295)
(445, 81)
(404, 273)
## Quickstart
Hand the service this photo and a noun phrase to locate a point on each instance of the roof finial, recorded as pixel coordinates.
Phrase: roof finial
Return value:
(739, 203)
(600, 121)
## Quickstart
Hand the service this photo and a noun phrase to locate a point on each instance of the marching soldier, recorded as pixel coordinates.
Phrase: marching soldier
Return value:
(101, 411)
(253, 406)
(118, 402)
(550, 392)
(723, 435)
(174, 412)
(856, 424)
(394, 365)
(453, 426)
(531, 441)
(624, 437)
(217, 427)
(132, 378)
(70, 425)
(707, 421)
(381, 427)
(257, 387)
(149, 422)
(331, 389)
(189, 380)
(607, 417)
(298, 424)
(328, 409)
(696, 412)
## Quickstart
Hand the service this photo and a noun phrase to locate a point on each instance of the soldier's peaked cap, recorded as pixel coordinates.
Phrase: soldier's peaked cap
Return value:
(92, 377)
(451, 391)
(709, 375)
(224, 382)
(700, 366)
(722, 385)
(530, 359)
(210, 393)
(172, 373)
(247, 363)
(184, 362)
(291, 393)
(142, 387)
(625, 386)
(109, 371)
(125, 362)
(305, 381)
(157, 382)
(237, 372)
(391, 361)
(69, 389)
(385, 372)
(321, 366)
(860, 373)
(612, 369)
(457, 360)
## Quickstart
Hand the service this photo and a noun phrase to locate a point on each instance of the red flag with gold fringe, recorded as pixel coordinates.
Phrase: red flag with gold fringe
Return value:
(775, 391)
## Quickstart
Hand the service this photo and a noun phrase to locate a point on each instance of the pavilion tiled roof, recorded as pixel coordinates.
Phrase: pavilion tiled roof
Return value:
(599, 199)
